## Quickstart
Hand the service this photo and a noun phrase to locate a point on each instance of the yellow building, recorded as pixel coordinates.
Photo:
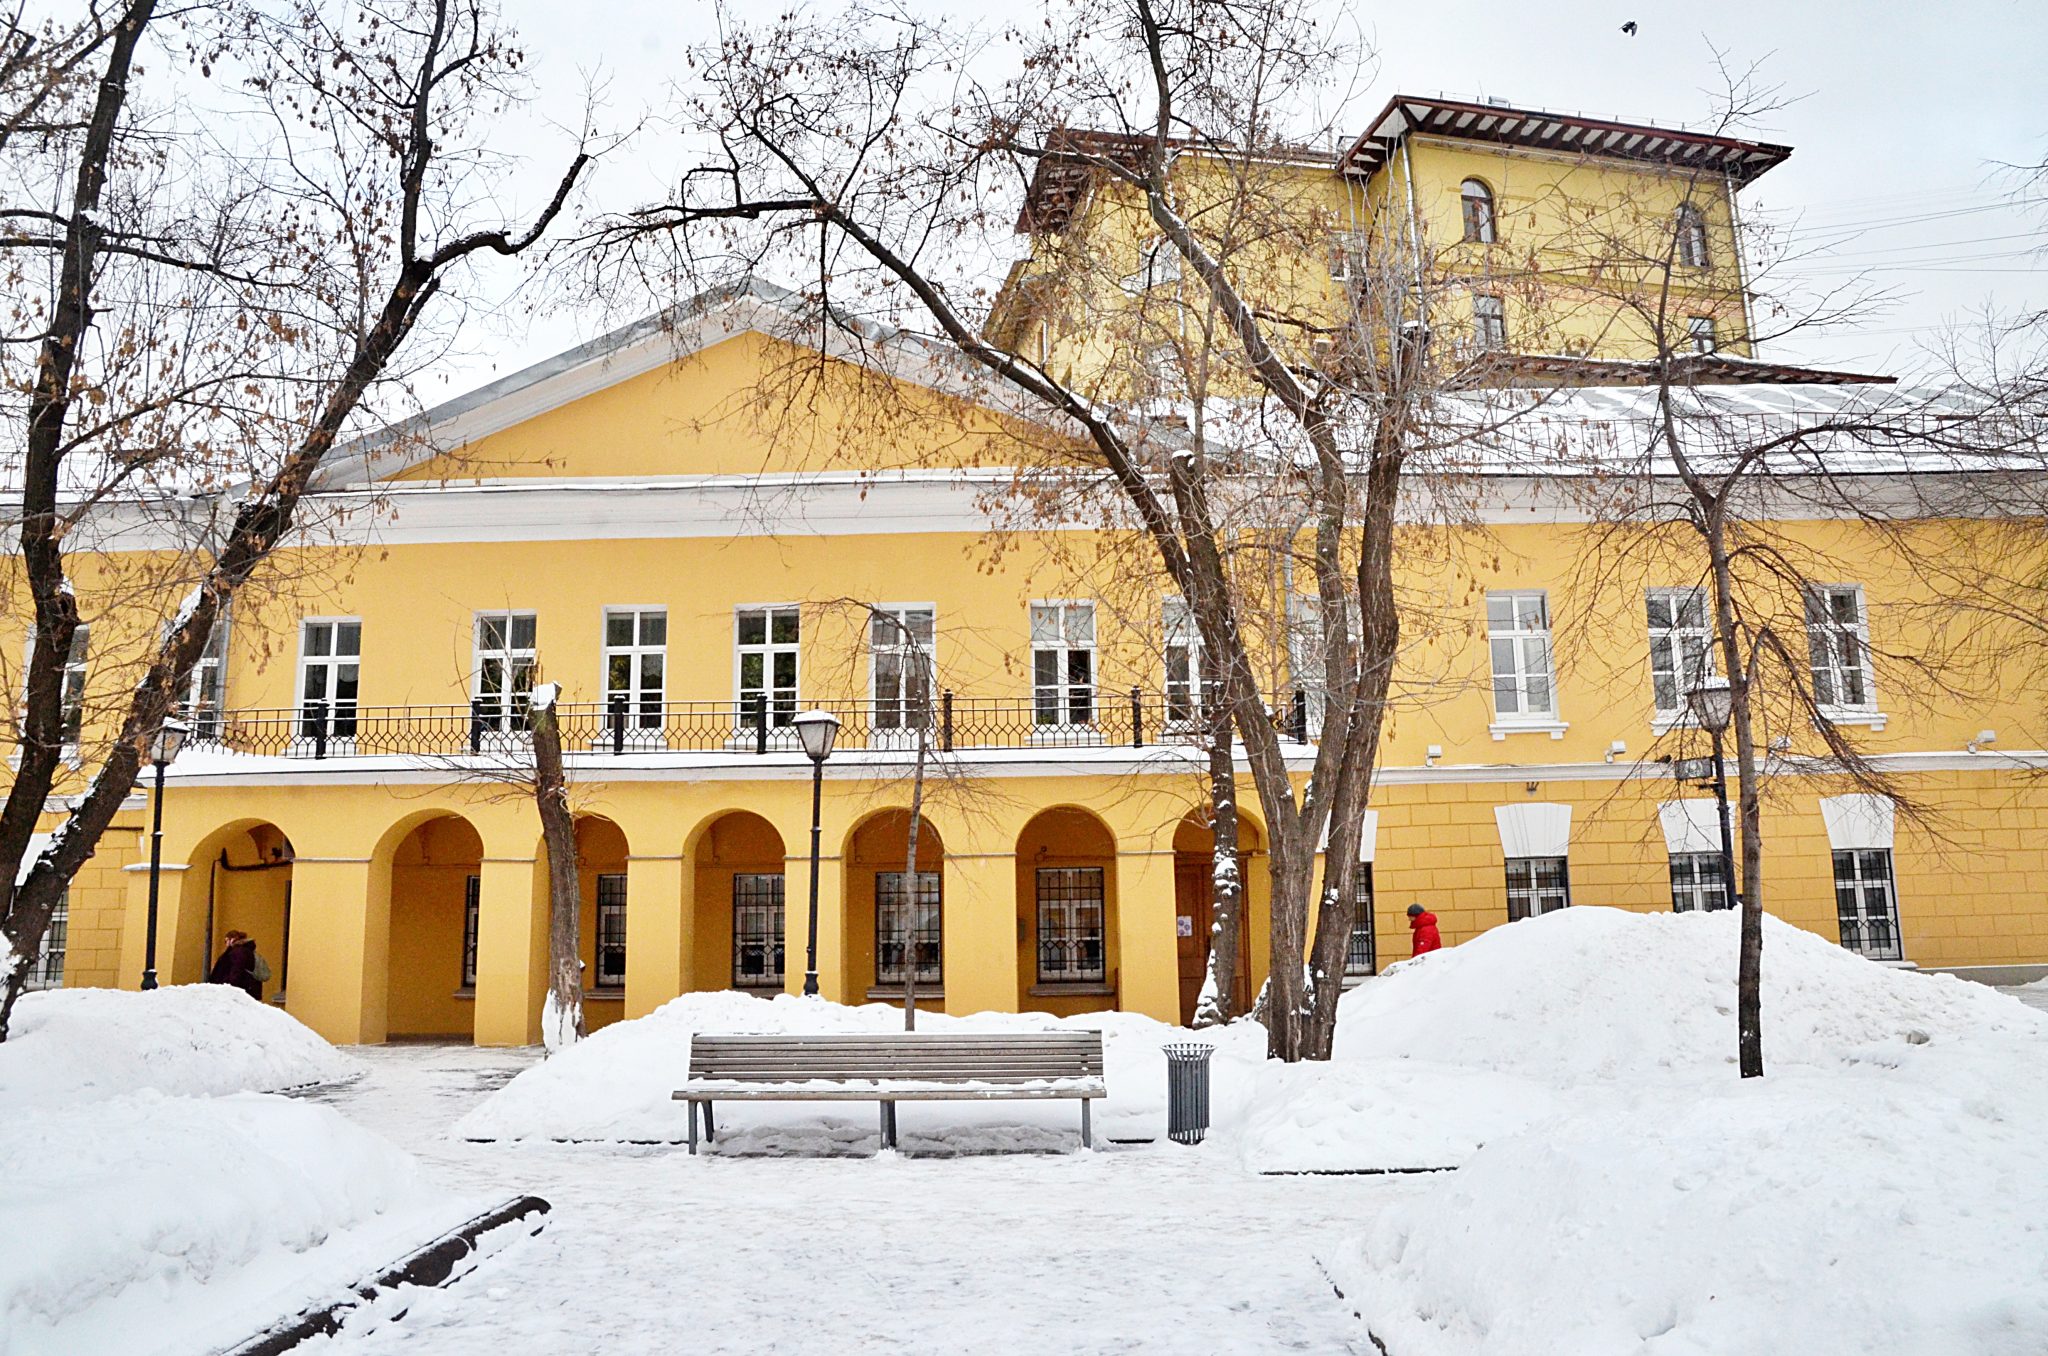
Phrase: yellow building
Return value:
(698, 530)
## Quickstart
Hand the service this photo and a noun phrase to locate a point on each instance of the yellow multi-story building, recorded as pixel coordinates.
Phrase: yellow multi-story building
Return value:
(694, 528)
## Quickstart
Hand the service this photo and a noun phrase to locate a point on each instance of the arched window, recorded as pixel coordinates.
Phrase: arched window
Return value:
(1692, 237)
(1477, 199)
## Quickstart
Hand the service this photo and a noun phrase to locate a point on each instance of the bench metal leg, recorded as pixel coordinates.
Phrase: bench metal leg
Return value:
(888, 1125)
(690, 1108)
(710, 1134)
(1087, 1135)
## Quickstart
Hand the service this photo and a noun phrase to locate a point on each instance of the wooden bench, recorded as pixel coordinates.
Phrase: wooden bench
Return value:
(908, 1066)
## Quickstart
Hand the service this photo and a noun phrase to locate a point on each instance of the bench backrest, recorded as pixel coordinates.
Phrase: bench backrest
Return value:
(934, 1057)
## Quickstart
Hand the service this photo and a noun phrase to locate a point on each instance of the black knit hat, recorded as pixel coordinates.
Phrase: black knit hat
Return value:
(1415, 911)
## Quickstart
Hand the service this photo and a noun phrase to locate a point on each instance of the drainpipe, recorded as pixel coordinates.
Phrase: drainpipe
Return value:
(1414, 233)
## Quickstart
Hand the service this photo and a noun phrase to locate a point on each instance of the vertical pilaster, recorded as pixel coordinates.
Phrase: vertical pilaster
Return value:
(511, 951)
(340, 934)
(658, 916)
(980, 942)
(1148, 978)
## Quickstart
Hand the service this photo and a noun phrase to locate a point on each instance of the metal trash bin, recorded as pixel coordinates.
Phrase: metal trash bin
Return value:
(1187, 1092)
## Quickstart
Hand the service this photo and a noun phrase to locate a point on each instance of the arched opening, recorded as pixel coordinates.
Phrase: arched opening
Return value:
(1692, 237)
(601, 931)
(1067, 956)
(740, 899)
(1476, 200)
(894, 920)
(239, 879)
(1194, 896)
(430, 980)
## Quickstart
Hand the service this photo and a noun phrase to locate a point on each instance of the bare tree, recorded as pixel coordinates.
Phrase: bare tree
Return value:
(561, 1022)
(215, 302)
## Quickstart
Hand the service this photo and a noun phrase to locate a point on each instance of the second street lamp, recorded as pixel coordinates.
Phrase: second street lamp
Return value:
(815, 730)
(170, 737)
(1712, 702)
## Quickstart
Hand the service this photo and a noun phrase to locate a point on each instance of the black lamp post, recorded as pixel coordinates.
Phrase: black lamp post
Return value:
(1712, 703)
(815, 730)
(170, 737)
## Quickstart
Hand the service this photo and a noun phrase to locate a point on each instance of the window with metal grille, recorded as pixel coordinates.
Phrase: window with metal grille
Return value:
(1183, 662)
(611, 931)
(1867, 903)
(505, 663)
(907, 933)
(636, 663)
(1518, 636)
(1361, 957)
(757, 922)
(1476, 201)
(1063, 663)
(330, 663)
(765, 649)
(900, 664)
(1489, 322)
(1697, 883)
(472, 913)
(1070, 925)
(1537, 885)
(1700, 330)
(1692, 237)
(48, 971)
(1680, 650)
(1838, 643)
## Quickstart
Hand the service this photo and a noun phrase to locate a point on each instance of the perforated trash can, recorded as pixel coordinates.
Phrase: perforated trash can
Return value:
(1187, 1092)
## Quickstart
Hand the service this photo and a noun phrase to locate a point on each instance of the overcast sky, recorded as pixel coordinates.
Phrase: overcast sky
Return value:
(1903, 115)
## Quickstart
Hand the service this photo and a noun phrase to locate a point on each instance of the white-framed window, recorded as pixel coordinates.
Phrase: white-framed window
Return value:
(1518, 638)
(472, 916)
(611, 931)
(1063, 663)
(906, 930)
(765, 660)
(1867, 902)
(1692, 236)
(757, 924)
(636, 664)
(1537, 885)
(1681, 647)
(1184, 668)
(330, 667)
(1475, 203)
(1489, 322)
(1347, 255)
(71, 686)
(1838, 643)
(206, 691)
(505, 663)
(900, 666)
(1699, 329)
(1071, 927)
(48, 970)
(1696, 882)
(1361, 955)
(1158, 265)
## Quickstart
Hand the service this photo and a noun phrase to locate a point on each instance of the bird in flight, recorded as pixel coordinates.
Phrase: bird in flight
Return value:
(1629, 28)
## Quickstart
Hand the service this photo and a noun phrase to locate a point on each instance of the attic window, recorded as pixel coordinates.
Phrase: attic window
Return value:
(1477, 201)
(1692, 237)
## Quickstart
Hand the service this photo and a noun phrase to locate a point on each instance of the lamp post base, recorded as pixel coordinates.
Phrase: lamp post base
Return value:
(810, 983)
(148, 979)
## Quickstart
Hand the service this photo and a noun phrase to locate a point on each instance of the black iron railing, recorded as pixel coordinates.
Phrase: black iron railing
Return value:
(494, 725)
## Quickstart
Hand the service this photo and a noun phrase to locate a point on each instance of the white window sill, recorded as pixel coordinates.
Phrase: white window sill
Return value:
(1854, 715)
(1501, 729)
(890, 993)
(1664, 722)
(1092, 988)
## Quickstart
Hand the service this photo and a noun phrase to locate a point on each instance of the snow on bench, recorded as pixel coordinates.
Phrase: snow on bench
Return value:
(906, 1066)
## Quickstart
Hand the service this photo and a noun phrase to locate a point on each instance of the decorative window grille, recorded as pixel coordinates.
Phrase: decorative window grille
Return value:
(1681, 648)
(907, 932)
(1183, 662)
(900, 661)
(1063, 663)
(1838, 642)
(1867, 903)
(757, 923)
(611, 931)
(505, 663)
(1697, 884)
(1518, 635)
(1489, 322)
(765, 645)
(1070, 925)
(48, 970)
(330, 660)
(636, 663)
(1692, 237)
(1476, 201)
(472, 914)
(1700, 330)
(1361, 957)
(1537, 885)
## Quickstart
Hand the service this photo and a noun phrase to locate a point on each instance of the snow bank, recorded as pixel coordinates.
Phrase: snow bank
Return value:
(1380, 1115)
(124, 1212)
(199, 1040)
(615, 1084)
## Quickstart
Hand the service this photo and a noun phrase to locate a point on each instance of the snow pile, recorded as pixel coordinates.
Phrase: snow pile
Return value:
(129, 1215)
(615, 1084)
(1380, 1115)
(198, 1040)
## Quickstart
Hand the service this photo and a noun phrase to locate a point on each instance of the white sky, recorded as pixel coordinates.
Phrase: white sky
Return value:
(1904, 115)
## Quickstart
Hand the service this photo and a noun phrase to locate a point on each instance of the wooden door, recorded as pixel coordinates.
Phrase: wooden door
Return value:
(1194, 893)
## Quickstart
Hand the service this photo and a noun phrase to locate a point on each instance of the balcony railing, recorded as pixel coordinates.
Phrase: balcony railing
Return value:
(492, 725)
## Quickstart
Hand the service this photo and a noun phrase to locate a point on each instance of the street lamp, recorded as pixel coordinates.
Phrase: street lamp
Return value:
(1712, 703)
(169, 738)
(815, 730)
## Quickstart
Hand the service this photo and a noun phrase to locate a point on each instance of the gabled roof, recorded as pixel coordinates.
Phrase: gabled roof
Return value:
(1570, 133)
(1687, 369)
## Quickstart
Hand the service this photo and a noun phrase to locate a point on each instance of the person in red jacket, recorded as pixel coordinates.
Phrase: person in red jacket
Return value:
(1423, 923)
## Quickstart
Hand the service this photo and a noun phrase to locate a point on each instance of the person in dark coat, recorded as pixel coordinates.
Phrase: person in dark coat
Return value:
(237, 965)
(1423, 924)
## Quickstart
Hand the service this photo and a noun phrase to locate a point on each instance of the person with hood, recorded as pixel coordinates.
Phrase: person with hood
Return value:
(1423, 924)
(238, 965)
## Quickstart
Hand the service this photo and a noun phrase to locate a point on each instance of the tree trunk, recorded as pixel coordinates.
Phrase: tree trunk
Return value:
(562, 1018)
(1218, 1001)
(1749, 971)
